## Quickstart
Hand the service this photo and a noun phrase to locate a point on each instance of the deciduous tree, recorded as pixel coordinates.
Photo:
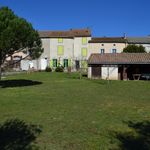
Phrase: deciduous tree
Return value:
(134, 49)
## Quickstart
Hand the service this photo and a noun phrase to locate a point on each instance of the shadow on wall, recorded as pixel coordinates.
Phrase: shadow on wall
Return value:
(137, 139)
(18, 83)
(17, 135)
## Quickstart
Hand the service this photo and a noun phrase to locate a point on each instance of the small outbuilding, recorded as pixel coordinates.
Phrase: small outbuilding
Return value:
(119, 66)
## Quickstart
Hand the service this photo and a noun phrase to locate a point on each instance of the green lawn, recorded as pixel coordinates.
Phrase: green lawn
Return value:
(76, 114)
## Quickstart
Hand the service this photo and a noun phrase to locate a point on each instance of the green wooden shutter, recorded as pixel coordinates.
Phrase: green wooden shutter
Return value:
(84, 52)
(65, 63)
(51, 63)
(60, 50)
(60, 40)
(84, 40)
(54, 62)
(69, 62)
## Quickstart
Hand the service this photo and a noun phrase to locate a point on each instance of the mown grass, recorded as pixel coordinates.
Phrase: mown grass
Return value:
(75, 114)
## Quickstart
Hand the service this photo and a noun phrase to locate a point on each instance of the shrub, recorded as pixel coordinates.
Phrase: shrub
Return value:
(59, 69)
(48, 69)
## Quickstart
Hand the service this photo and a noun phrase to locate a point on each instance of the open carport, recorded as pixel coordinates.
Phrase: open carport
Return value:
(119, 66)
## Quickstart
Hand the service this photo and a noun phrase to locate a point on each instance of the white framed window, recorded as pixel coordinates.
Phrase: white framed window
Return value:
(114, 50)
(102, 51)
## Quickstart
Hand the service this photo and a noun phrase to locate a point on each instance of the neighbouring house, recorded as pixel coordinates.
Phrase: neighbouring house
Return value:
(116, 44)
(119, 66)
(103, 45)
(144, 41)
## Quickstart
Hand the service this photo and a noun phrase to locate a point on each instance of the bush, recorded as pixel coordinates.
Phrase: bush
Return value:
(48, 69)
(59, 69)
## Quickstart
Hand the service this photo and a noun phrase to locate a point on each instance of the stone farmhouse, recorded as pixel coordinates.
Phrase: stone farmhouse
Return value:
(73, 48)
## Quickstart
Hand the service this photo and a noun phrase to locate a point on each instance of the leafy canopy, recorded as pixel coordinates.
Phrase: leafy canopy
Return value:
(17, 35)
(134, 49)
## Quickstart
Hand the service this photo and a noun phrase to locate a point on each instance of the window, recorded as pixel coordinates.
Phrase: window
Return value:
(77, 64)
(114, 51)
(60, 50)
(60, 40)
(54, 62)
(102, 51)
(65, 63)
(84, 52)
(84, 40)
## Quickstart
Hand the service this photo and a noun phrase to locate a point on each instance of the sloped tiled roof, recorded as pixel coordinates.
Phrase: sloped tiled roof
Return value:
(68, 34)
(120, 58)
(138, 40)
(108, 40)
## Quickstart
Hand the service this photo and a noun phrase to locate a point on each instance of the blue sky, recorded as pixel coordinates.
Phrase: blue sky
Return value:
(104, 17)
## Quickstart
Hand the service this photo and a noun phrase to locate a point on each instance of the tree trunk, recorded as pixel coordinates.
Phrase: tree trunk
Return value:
(0, 72)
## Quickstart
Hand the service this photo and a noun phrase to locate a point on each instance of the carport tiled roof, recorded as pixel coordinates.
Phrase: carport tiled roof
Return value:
(65, 34)
(119, 58)
(108, 40)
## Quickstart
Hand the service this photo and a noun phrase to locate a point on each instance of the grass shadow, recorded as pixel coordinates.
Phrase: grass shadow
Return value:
(17, 135)
(137, 139)
(18, 83)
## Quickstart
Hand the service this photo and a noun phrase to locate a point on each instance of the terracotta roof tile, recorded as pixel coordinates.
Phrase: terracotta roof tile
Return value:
(65, 34)
(120, 58)
(108, 40)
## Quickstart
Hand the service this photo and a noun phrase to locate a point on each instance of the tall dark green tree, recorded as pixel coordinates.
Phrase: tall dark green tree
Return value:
(134, 49)
(17, 35)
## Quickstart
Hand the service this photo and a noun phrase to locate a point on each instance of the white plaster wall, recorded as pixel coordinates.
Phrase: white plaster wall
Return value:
(45, 54)
(68, 48)
(96, 47)
(78, 47)
(24, 65)
(46, 46)
(90, 72)
(44, 63)
(111, 72)
(72, 49)
(147, 47)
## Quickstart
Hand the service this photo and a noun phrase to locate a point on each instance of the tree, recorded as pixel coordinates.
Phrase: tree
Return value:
(17, 35)
(134, 49)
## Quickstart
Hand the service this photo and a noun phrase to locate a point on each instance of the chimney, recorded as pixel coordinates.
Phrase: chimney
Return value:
(125, 36)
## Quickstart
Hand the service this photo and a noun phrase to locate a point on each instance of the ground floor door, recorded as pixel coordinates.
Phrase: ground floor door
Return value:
(43, 64)
(96, 72)
(77, 64)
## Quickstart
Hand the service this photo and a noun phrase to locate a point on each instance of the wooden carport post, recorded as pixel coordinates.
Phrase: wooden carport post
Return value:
(125, 77)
